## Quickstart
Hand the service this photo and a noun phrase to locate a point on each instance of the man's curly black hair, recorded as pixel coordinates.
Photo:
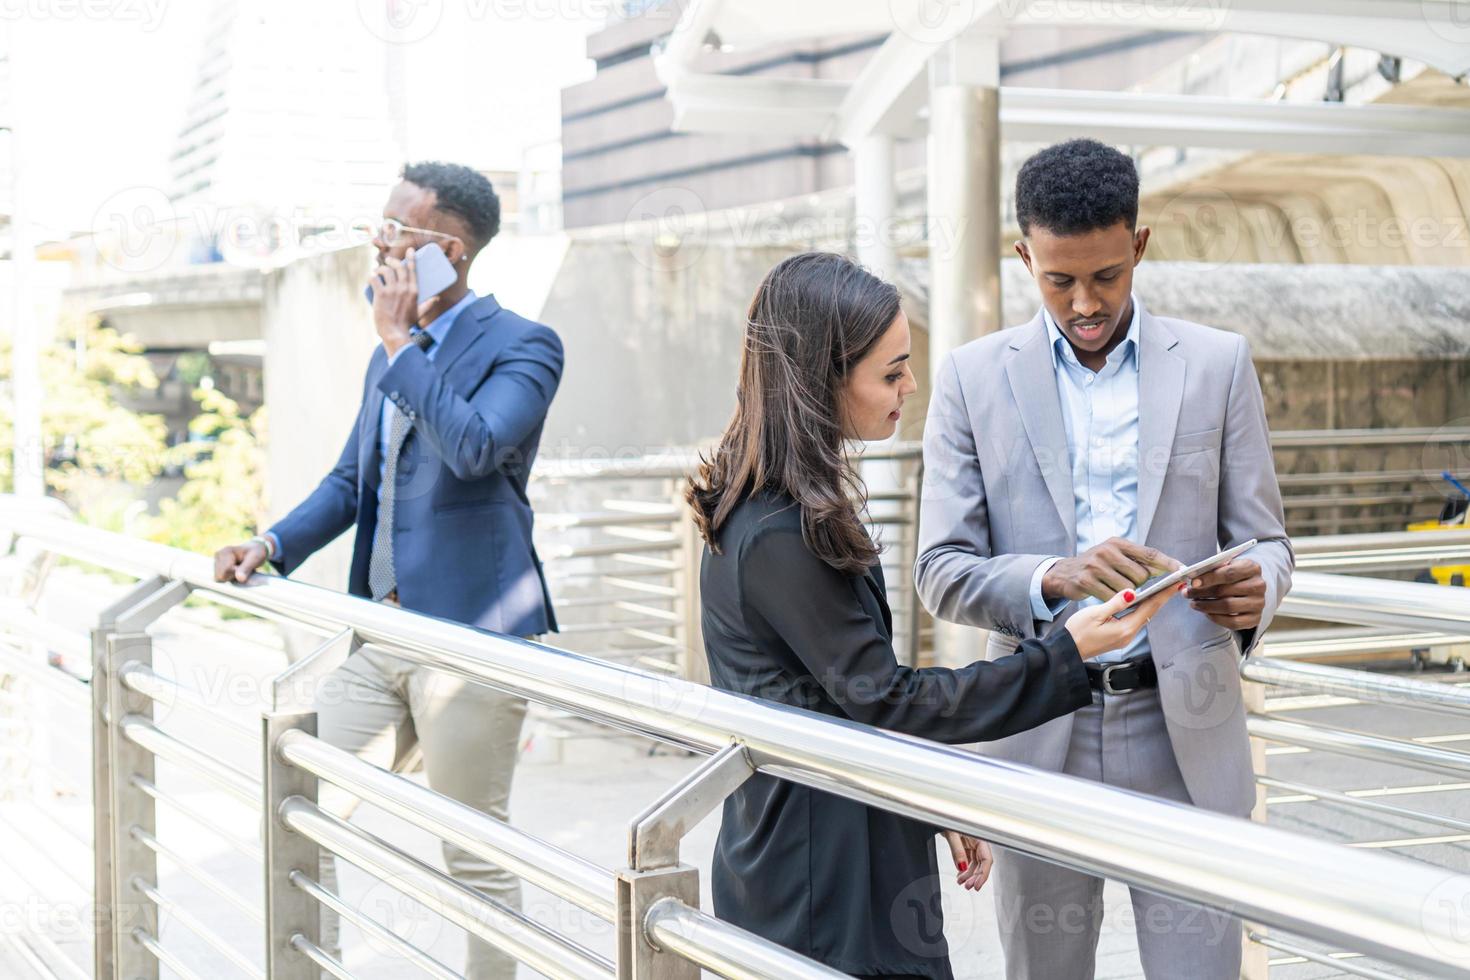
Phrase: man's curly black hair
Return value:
(460, 191)
(1077, 186)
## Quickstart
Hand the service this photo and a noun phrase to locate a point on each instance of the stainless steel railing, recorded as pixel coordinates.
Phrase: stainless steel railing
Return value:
(1400, 911)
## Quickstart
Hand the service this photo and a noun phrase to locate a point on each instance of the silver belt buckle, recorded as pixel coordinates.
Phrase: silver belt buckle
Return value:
(1107, 678)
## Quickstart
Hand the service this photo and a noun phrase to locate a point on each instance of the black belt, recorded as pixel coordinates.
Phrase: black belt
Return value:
(1122, 676)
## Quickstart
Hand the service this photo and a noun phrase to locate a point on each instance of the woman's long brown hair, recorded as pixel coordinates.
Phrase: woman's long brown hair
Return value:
(813, 318)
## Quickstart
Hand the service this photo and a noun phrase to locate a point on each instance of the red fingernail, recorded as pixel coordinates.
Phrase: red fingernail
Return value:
(964, 866)
(1128, 596)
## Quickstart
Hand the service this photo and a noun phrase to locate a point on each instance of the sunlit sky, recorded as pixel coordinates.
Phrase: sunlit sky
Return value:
(97, 100)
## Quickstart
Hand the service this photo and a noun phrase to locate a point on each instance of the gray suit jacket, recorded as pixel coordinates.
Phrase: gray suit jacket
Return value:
(997, 501)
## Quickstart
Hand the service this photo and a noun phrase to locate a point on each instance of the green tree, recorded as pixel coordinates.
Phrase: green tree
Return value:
(223, 497)
(100, 455)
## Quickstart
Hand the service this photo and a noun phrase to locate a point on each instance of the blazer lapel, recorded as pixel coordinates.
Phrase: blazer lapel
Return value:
(468, 327)
(1033, 381)
(1160, 395)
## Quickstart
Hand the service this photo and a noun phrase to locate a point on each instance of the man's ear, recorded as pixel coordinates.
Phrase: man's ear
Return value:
(1025, 255)
(1140, 242)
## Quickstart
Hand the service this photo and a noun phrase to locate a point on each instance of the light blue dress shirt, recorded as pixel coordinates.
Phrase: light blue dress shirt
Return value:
(1100, 411)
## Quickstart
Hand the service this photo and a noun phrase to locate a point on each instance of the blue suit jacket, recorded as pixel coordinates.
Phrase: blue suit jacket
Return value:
(462, 522)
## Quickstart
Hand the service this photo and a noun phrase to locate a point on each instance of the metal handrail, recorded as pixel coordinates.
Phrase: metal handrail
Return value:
(728, 951)
(1376, 602)
(559, 872)
(1377, 903)
(528, 941)
(1380, 552)
(1357, 684)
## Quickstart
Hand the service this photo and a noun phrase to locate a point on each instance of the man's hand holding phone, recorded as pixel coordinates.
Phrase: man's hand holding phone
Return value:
(395, 298)
(1103, 571)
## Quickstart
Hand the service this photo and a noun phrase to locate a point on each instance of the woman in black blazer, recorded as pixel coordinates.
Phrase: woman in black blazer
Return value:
(795, 612)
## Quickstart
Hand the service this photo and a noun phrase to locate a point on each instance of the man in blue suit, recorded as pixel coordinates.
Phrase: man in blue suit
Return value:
(433, 478)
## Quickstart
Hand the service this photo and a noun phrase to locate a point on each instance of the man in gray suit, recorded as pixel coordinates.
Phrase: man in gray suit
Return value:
(1074, 457)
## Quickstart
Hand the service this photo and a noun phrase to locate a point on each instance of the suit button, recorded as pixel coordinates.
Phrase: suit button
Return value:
(393, 395)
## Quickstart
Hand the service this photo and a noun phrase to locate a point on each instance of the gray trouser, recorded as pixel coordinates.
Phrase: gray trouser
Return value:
(381, 707)
(1050, 916)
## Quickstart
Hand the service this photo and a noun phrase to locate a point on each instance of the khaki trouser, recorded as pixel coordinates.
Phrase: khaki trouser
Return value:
(381, 708)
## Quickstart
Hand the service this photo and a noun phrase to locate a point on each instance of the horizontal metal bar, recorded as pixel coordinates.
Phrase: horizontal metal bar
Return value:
(1360, 685)
(72, 690)
(1318, 438)
(185, 918)
(1377, 902)
(30, 945)
(373, 928)
(730, 952)
(593, 601)
(150, 942)
(193, 870)
(552, 521)
(1380, 552)
(1301, 501)
(21, 619)
(1357, 478)
(248, 848)
(613, 626)
(1342, 641)
(565, 552)
(170, 694)
(48, 850)
(527, 941)
(1360, 745)
(1336, 962)
(1377, 602)
(558, 872)
(1361, 803)
(320, 957)
(140, 731)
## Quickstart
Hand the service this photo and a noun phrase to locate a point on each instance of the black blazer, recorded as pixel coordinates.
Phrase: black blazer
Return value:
(851, 886)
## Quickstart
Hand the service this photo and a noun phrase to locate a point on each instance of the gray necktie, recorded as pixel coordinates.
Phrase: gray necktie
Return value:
(382, 577)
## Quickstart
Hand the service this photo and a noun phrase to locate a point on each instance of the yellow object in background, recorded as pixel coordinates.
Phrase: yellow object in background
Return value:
(1445, 574)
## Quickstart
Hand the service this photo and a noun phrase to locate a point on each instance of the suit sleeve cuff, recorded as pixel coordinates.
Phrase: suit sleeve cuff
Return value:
(1041, 610)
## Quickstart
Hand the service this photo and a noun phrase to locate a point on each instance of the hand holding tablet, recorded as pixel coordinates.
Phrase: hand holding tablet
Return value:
(1186, 573)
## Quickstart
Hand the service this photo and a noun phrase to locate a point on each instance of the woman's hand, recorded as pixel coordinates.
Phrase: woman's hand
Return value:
(1095, 631)
(972, 859)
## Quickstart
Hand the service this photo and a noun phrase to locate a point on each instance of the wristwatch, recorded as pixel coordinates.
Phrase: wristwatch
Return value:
(270, 549)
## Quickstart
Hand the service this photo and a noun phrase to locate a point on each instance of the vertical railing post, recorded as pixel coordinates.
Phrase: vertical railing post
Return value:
(654, 871)
(1255, 958)
(693, 665)
(913, 626)
(103, 899)
(290, 913)
(131, 807)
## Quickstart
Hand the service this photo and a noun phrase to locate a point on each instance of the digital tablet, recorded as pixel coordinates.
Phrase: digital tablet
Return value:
(1188, 571)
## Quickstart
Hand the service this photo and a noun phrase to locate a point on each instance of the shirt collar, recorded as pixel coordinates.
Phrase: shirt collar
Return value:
(1061, 348)
(438, 328)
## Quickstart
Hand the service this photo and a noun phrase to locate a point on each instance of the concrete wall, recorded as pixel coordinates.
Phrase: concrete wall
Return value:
(319, 335)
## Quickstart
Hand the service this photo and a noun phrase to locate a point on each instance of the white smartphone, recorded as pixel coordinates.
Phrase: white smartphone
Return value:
(435, 272)
(1188, 571)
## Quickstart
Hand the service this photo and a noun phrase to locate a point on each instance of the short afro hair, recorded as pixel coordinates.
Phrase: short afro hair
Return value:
(462, 192)
(1075, 187)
